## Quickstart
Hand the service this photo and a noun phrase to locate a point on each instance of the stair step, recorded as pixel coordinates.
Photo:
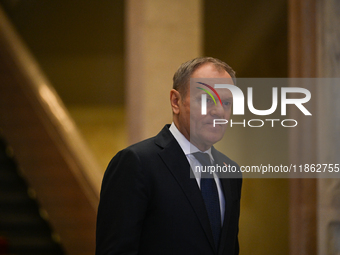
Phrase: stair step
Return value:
(22, 222)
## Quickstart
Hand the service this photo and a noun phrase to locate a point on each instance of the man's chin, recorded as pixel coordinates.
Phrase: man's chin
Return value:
(217, 131)
(209, 138)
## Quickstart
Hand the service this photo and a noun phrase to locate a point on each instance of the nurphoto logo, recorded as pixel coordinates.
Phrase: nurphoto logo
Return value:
(239, 103)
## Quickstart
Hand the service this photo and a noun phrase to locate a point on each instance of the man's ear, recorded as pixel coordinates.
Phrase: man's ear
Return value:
(175, 98)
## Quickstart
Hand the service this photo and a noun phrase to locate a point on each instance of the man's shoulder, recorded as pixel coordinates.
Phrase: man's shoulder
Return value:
(142, 149)
(158, 141)
(150, 146)
(141, 145)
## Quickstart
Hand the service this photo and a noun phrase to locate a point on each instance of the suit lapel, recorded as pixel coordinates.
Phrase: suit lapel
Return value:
(177, 163)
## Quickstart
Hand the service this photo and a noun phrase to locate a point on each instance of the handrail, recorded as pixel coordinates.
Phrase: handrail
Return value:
(85, 166)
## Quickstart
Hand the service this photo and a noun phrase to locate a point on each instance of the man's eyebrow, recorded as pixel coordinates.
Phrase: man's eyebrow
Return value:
(228, 98)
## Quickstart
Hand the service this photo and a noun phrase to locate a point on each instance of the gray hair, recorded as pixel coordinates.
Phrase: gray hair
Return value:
(183, 73)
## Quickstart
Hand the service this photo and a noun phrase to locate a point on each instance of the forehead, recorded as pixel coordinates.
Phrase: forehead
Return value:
(206, 76)
(205, 86)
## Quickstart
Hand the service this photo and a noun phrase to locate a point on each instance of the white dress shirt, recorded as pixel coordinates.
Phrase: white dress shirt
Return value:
(188, 149)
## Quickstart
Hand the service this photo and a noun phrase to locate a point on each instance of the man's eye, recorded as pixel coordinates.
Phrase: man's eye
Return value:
(226, 103)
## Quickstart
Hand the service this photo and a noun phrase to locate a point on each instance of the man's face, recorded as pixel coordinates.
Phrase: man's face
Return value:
(199, 128)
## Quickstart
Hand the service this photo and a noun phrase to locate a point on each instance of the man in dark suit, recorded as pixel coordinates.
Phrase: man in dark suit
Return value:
(153, 202)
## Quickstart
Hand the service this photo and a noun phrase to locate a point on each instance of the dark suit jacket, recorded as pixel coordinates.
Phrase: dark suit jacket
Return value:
(150, 205)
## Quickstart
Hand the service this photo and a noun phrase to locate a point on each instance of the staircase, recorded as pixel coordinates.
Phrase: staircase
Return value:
(24, 228)
(52, 157)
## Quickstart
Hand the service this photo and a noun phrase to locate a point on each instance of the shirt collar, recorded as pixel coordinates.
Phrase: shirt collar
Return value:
(187, 147)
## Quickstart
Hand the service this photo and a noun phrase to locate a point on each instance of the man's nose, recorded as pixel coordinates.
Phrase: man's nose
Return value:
(217, 110)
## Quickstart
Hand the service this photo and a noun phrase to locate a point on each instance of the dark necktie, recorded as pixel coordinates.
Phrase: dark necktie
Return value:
(210, 196)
